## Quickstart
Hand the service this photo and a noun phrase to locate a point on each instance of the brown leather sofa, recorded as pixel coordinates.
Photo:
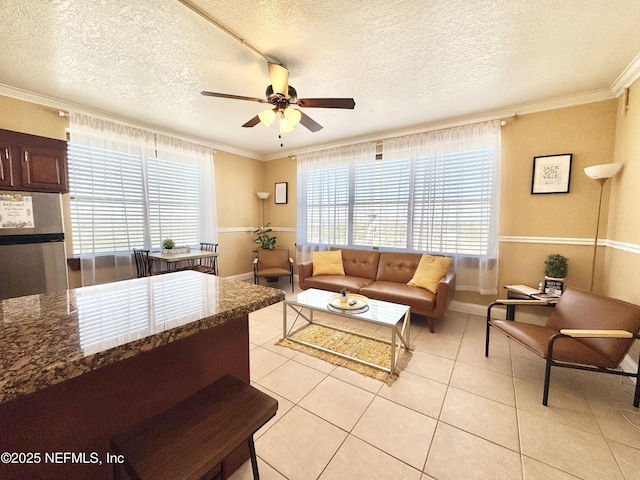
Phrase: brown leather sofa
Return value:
(383, 276)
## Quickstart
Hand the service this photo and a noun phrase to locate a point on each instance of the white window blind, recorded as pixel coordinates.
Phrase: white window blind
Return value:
(381, 203)
(452, 202)
(327, 203)
(107, 199)
(174, 202)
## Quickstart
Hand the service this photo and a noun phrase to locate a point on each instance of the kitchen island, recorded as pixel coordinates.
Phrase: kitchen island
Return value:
(80, 365)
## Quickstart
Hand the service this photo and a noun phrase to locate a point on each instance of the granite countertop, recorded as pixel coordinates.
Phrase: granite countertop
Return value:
(49, 338)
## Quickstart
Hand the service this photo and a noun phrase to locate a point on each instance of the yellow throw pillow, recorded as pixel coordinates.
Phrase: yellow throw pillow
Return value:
(328, 263)
(429, 272)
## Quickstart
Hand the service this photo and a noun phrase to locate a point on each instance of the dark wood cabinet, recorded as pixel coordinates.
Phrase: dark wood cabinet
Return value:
(33, 163)
(6, 166)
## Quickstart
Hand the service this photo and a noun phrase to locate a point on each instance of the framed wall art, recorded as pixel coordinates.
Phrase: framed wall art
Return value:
(281, 192)
(551, 173)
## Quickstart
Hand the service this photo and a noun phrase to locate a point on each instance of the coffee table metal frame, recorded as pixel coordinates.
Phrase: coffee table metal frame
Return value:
(393, 315)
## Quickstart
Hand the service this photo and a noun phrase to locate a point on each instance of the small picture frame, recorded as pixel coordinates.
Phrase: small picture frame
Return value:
(551, 173)
(281, 192)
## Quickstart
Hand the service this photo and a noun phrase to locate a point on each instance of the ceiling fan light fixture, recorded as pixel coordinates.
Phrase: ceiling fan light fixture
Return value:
(292, 115)
(267, 116)
(285, 126)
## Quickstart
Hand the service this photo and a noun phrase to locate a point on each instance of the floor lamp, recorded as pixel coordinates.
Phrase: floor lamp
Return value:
(263, 196)
(600, 173)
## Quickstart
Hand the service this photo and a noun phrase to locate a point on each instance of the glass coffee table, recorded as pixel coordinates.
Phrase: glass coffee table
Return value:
(395, 316)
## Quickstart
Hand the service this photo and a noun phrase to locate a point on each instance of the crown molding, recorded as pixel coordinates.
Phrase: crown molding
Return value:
(505, 113)
(627, 78)
(58, 104)
(498, 114)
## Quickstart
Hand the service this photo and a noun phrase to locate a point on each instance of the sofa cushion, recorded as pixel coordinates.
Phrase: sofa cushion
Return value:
(429, 272)
(360, 263)
(334, 283)
(397, 266)
(328, 263)
(418, 299)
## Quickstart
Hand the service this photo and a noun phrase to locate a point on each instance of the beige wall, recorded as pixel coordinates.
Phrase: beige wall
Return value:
(623, 264)
(239, 210)
(31, 118)
(556, 223)
(282, 217)
(624, 227)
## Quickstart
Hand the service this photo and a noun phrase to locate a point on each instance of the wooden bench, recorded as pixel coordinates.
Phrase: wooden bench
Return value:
(191, 439)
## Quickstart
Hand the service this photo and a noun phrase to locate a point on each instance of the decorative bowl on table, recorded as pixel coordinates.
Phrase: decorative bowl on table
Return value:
(354, 301)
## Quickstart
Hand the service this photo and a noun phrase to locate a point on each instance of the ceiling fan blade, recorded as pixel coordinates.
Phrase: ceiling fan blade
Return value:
(253, 122)
(326, 103)
(309, 122)
(232, 97)
(279, 78)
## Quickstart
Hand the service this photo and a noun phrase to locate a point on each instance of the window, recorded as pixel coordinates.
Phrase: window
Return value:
(436, 192)
(132, 189)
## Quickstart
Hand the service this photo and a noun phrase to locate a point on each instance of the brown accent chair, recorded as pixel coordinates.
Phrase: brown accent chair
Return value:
(585, 331)
(273, 263)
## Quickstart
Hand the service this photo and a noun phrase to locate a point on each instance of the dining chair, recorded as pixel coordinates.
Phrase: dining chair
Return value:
(143, 262)
(209, 264)
(272, 264)
(585, 331)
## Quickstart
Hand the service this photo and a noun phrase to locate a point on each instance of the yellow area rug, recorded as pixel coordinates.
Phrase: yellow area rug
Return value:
(369, 350)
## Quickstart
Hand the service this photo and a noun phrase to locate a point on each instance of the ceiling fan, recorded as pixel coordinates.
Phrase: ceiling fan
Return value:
(282, 96)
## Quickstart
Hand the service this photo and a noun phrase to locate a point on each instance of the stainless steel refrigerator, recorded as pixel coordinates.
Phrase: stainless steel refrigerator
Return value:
(32, 249)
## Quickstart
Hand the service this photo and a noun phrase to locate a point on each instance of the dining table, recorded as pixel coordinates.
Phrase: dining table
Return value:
(172, 259)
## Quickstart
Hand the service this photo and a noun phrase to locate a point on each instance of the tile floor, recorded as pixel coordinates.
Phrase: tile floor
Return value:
(452, 414)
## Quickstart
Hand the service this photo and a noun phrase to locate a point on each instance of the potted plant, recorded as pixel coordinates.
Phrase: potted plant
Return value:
(344, 296)
(167, 245)
(555, 271)
(263, 239)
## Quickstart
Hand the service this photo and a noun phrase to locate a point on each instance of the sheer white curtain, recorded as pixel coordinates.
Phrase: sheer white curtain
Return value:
(437, 192)
(201, 159)
(455, 204)
(131, 188)
(101, 136)
(325, 196)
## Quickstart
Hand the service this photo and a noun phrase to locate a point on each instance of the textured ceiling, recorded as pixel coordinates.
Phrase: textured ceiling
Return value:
(406, 63)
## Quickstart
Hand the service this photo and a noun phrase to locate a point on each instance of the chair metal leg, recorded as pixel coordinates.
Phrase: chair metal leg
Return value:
(486, 341)
(254, 460)
(636, 397)
(549, 363)
(547, 378)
